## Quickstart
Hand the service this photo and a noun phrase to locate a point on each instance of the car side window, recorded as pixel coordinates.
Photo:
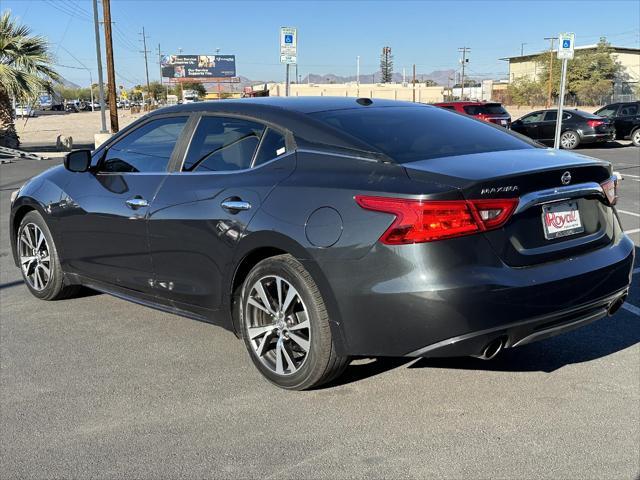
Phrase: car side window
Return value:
(222, 144)
(148, 148)
(532, 117)
(607, 112)
(272, 146)
(629, 110)
(550, 116)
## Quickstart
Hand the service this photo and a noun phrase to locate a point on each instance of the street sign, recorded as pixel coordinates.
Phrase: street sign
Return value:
(288, 45)
(565, 53)
(565, 46)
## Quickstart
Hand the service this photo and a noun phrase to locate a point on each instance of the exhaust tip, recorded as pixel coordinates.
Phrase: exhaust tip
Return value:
(616, 304)
(491, 350)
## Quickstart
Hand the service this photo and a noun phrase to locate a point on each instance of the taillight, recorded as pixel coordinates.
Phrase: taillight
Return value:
(595, 123)
(420, 221)
(610, 188)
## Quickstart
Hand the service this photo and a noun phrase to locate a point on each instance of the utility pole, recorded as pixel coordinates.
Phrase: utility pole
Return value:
(96, 25)
(464, 60)
(414, 83)
(160, 65)
(111, 72)
(522, 49)
(146, 63)
(551, 40)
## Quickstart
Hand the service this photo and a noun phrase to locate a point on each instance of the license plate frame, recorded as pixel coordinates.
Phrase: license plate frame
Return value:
(554, 226)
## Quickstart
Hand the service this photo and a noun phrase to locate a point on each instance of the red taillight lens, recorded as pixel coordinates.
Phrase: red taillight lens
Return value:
(595, 123)
(610, 188)
(420, 221)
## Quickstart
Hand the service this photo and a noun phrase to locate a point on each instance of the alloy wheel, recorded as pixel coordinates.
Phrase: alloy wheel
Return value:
(35, 257)
(568, 140)
(636, 137)
(278, 325)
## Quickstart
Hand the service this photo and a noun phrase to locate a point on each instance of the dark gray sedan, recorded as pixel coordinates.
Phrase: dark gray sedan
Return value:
(318, 229)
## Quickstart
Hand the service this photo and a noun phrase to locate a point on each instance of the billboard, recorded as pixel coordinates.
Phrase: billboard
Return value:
(201, 67)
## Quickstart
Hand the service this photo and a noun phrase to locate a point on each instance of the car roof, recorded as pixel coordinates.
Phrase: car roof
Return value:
(294, 104)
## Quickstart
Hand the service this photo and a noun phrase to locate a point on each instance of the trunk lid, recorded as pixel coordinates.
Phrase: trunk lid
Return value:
(535, 177)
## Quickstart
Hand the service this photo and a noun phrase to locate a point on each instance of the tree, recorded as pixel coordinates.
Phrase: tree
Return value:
(25, 72)
(590, 75)
(197, 86)
(430, 83)
(524, 91)
(386, 65)
(157, 90)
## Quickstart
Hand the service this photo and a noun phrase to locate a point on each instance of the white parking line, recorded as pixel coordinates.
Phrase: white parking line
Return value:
(629, 213)
(631, 308)
(629, 175)
(629, 232)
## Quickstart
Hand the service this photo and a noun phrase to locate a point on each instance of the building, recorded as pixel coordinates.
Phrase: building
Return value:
(527, 66)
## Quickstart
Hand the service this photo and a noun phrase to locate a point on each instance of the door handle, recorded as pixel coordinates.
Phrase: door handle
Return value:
(137, 202)
(234, 205)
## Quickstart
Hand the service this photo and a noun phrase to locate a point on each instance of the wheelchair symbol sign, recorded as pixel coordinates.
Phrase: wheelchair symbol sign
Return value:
(288, 39)
(566, 43)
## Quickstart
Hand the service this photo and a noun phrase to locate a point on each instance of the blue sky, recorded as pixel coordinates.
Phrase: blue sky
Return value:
(331, 33)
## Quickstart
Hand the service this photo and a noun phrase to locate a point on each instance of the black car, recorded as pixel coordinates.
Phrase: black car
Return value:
(318, 229)
(626, 119)
(578, 127)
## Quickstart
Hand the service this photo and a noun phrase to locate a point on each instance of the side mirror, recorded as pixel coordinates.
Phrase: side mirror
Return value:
(78, 161)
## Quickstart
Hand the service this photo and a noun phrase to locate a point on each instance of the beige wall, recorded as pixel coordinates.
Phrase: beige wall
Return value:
(390, 91)
(631, 64)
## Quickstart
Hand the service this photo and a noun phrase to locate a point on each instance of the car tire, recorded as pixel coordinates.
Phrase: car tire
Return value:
(569, 140)
(635, 137)
(289, 340)
(39, 260)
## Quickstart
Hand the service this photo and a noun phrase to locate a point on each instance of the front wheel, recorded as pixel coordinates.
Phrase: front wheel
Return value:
(569, 140)
(39, 261)
(635, 137)
(285, 325)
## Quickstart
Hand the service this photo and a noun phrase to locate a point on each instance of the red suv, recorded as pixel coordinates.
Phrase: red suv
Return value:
(487, 111)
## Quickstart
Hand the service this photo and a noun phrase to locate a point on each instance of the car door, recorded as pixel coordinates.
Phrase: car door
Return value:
(203, 208)
(529, 125)
(105, 239)
(626, 119)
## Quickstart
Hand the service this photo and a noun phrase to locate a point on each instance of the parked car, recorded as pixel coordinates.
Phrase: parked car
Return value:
(488, 111)
(578, 127)
(24, 111)
(322, 228)
(626, 119)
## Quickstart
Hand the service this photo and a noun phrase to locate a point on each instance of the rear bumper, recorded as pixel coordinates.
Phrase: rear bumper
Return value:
(598, 137)
(452, 298)
(525, 331)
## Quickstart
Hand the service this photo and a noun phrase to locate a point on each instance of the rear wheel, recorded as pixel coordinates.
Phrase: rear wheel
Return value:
(635, 137)
(39, 261)
(285, 325)
(569, 140)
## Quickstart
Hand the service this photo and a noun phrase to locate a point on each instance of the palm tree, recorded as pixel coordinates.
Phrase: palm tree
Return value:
(25, 71)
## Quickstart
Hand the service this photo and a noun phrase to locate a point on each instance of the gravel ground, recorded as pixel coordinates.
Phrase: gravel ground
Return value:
(98, 387)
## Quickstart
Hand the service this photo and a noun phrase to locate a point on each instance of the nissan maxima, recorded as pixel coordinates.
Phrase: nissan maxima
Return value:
(321, 229)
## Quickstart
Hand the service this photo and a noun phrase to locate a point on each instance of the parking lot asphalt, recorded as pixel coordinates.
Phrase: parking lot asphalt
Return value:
(99, 387)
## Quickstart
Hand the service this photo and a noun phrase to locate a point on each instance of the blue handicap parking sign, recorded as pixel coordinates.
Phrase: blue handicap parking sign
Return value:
(288, 39)
(566, 43)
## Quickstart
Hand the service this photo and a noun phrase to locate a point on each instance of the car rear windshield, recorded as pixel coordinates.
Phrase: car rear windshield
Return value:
(408, 134)
(486, 109)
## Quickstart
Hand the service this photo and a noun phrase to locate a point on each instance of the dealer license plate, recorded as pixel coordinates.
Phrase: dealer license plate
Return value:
(561, 220)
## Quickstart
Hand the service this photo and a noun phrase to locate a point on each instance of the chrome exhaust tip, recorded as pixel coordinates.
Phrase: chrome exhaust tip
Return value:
(616, 304)
(492, 349)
